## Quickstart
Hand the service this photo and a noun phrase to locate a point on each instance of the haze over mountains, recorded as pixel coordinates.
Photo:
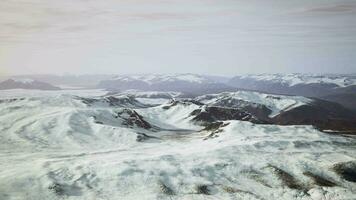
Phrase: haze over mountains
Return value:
(335, 88)
(26, 84)
(177, 100)
(189, 84)
(177, 136)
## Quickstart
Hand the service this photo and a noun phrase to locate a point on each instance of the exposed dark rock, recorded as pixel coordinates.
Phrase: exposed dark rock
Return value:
(326, 91)
(287, 179)
(214, 126)
(347, 100)
(165, 189)
(123, 101)
(141, 137)
(183, 102)
(346, 170)
(256, 176)
(229, 189)
(97, 121)
(172, 103)
(213, 114)
(319, 180)
(232, 190)
(11, 100)
(203, 189)
(196, 112)
(128, 100)
(88, 101)
(132, 118)
(57, 188)
(65, 189)
(273, 97)
(258, 110)
(321, 114)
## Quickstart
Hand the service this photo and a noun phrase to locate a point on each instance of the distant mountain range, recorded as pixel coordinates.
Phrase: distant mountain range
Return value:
(330, 87)
(26, 84)
(83, 81)
(91, 144)
(297, 84)
(189, 84)
(336, 88)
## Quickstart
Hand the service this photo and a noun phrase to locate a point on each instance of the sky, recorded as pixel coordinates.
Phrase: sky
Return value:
(217, 37)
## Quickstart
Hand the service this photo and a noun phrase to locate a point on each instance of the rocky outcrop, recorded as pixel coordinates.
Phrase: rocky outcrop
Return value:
(324, 115)
(112, 101)
(131, 118)
(346, 170)
(184, 102)
(212, 114)
(336, 88)
(321, 114)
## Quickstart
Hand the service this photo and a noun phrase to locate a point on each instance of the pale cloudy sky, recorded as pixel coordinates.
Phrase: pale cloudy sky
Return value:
(223, 37)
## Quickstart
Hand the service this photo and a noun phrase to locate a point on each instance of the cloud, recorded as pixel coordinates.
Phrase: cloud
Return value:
(146, 35)
(338, 8)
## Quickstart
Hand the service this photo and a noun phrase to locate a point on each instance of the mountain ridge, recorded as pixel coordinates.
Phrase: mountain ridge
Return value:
(26, 84)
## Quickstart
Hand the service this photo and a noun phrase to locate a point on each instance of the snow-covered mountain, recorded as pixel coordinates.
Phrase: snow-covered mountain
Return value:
(337, 88)
(290, 80)
(65, 81)
(284, 110)
(186, 83)
(86, 144)
(241, 99)
(157, 78)
(26, 84)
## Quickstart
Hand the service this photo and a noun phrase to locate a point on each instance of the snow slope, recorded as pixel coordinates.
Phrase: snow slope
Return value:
(304, 79)
(276, 103)
(59, 146)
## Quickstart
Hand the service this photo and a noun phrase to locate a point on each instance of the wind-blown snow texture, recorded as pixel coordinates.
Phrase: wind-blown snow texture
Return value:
(83, 144)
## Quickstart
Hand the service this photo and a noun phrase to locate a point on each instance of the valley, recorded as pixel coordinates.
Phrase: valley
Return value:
(91, 144)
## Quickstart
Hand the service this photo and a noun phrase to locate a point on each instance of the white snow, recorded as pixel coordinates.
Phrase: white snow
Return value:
(176, 117)
(295, 79)
(151, 94)
(153, 101)
(276, 103)
(156, 78)
(24, 80)
(51, 148)
(13, 93)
